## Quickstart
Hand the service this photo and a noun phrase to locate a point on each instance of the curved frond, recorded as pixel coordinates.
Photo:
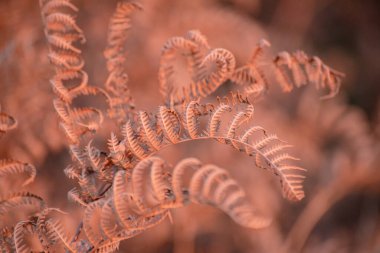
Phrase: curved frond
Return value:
(115, 53)
(63, 36)
(268, 150)
(297, 69)
(207, 68)
(203, 188)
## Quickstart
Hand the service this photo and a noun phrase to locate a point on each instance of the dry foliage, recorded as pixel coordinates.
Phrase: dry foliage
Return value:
(124, 186)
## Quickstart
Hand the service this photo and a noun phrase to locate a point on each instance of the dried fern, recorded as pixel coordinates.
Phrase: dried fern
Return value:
(291, 70)
(49, 233)
(116, 84)
(208, 68)
(70, 80)
(297, 69)
(170, 127)
(13, 237)
(142, 199)
(125, 190)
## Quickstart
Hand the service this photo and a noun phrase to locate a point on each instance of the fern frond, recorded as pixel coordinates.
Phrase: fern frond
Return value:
(131, 209)
(202, 188)
(70, 81)
(296, 69)
(253, 140)
(115, 54)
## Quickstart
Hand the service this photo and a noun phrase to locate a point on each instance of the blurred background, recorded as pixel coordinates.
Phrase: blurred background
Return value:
(336, 139)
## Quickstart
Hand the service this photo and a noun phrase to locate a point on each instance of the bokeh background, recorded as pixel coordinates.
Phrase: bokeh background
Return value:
(337, 139)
